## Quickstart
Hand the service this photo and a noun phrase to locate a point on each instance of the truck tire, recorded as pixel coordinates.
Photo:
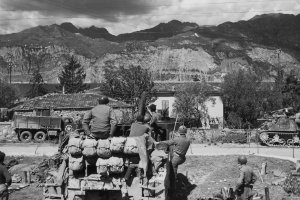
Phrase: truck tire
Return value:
(26, 136)
(40, 136)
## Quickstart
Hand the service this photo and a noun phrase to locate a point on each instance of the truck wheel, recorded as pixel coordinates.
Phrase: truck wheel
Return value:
(26, 136)
(40, 136)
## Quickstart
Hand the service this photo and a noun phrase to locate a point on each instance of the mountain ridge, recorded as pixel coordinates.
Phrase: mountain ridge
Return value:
(171, 51)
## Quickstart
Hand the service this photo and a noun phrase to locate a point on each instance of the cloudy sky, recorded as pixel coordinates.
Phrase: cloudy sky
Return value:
(121, 16)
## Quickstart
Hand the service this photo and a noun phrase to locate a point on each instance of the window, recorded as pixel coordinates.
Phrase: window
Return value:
(165, 106)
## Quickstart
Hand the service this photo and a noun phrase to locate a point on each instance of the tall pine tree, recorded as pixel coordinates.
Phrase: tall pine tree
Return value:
(72, 77)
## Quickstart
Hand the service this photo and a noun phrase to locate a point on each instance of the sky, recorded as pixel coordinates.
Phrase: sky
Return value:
(124, 16)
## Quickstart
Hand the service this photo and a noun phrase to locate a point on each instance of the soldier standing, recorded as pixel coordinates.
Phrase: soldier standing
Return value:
(181, 146)
(246, 180)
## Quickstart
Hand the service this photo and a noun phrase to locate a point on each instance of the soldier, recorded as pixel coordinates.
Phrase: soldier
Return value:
(159, 133)
(181, 146)
(5, 178)
(246, 180)
(103, 120)
(138, 128)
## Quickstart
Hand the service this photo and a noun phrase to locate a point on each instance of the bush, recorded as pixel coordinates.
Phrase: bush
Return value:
(292, 185)
(232, 137)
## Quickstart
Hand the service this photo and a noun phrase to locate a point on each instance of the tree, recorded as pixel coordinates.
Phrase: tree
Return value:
(291, 91)
(127, 84)
(241, 98)
(190, 102)
(37, 85)
(7, 95)
(72, 77)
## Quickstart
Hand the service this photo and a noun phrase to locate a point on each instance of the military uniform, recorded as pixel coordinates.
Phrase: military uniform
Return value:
(138, 129)
(181, 146)
(102, 118)
(5, 181)
(245, 183)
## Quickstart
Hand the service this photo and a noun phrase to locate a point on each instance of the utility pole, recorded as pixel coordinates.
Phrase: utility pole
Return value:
(10, 65)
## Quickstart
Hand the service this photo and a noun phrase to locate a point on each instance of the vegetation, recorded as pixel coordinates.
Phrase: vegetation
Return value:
(72, 77)
(37, 85)
(291, 91)
(242, 99)
(246, 97)
(189, 102)
(7, 95)
(127, 83)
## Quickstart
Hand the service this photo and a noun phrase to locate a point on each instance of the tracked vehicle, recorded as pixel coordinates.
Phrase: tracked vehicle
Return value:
(280, 130)
(112, 176)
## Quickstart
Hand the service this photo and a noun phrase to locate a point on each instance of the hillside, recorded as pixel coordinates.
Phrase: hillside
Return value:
(173, 51)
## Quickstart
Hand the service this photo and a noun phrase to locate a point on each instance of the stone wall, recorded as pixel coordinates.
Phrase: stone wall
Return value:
(6, 131)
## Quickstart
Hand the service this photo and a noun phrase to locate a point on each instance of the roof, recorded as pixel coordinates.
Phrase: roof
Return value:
(163, 87)
(67, 101)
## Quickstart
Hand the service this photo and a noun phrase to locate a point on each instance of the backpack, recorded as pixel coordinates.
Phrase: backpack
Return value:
(102, 166)
(103, 149)
(116, 164)
(76, 164)
(89, 147)
(74, 147)
(117, 144)
(131, 146)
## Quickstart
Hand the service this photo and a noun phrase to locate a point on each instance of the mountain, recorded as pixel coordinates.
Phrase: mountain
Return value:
(173, 51)
(278, 30)
(92, 32)
(169, 29)
(162, 30)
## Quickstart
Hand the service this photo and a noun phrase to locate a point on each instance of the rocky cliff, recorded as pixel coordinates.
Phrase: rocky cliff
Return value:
(184, 52)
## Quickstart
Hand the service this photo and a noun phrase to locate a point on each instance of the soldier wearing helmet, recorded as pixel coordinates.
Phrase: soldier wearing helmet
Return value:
(100, 122)
(181, 146)
(246, 180)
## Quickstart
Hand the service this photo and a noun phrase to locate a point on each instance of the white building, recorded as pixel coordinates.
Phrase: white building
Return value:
(165, 92)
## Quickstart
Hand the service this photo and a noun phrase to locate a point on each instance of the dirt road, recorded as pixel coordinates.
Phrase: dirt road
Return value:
(15, 149)
(18, 149)
(238, 149)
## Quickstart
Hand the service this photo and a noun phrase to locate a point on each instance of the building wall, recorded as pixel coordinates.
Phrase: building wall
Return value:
(159, 104)
(214, 108)
(215, 111)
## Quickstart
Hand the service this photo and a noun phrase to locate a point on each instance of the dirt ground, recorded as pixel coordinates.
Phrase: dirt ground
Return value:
(33, 191)
(199, 176)
(205, 175)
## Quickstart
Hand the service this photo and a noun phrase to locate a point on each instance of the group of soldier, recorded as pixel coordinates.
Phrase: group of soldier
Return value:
(100, 123)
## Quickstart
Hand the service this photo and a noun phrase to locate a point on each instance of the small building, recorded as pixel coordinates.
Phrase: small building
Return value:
(165, 98)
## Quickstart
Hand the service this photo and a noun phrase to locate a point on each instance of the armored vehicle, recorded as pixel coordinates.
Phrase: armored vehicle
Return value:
(280, 130)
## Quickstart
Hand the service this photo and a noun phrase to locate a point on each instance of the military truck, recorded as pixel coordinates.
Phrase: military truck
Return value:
(118, 175)
(83, 181)
(41, 128)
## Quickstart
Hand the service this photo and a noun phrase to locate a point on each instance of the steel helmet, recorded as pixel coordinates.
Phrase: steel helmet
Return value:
(182, 130)
(242, 160)
(103, 100)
